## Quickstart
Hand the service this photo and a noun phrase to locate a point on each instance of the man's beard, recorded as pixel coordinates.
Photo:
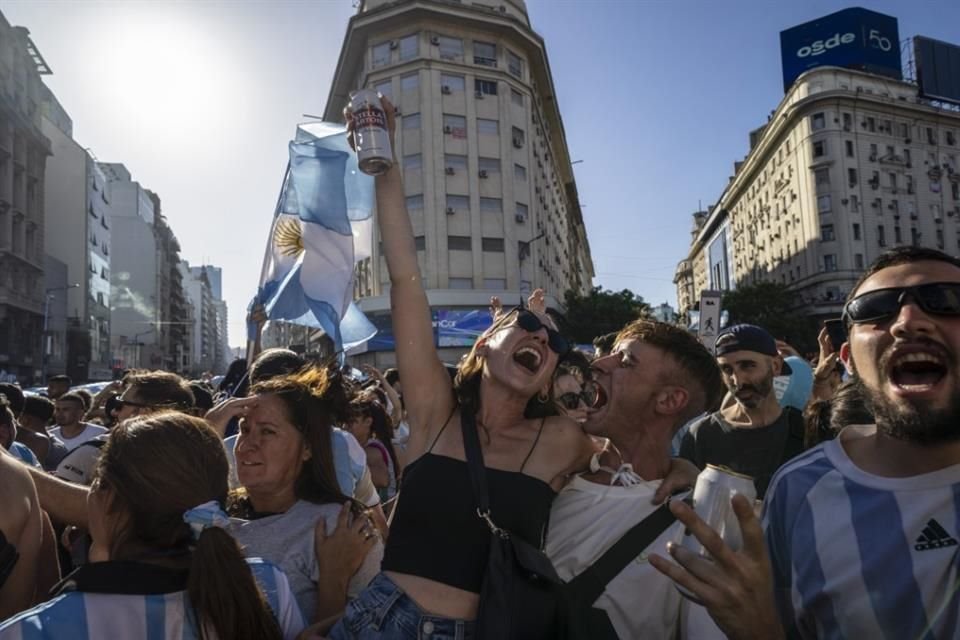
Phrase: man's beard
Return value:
(761, 390)
(906, 420)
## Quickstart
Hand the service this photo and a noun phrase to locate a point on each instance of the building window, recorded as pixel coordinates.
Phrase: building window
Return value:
(489, 167)
(493, 245)
(384, 88)
(854, 204)
(414, 202)
(858, 260)
(914, 236)
(873, 153)
(485, 87)
(454, 163)
(856, 231)
(409, 47)
(485, 54)
(817, 121)
(459, 243)
(514, 64)
(412, 161)
(931, 136)
(519, 173)
(458, 204)
(849, 147)
(939, 238)
(897, 237)
(491, 205)
(819, 149)
(450, 48)
(452, 84)
(521, 213)
(892, 177)
(495, 284)
(488, 127)
(823, 204)
(516, 97)
(847, 122)
(826, 233)
(852, 176)
(518, 137)
(380, 56)
(455, 126)
(409, 82)
(935, 211)
(830, 262)
(411, 121)
(822, 178)
(871, 125)
(460, 283)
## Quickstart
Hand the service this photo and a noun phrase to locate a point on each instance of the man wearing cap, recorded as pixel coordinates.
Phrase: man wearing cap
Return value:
(754, 435)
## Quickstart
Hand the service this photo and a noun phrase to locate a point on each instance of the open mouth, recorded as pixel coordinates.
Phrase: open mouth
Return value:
(915, 372)
(528, 358)
(599, 398)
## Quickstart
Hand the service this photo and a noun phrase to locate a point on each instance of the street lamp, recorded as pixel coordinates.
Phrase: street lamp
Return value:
(48, 296)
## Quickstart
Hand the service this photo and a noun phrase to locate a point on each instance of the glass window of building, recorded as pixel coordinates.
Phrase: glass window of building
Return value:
(495, 284)
(516, 97)
(858, 260)
(852, 176)
(823, 204)
(452, 84)
(493, 245)
(522, 210)
(384, 88)
(411, 121)
(410, 47)
(485, 87)
(420, 242)
(817, 121)
(459, 204)
(489, 166)
(491, 205)
(819, 149)
(488, 127)
(459, 243)
(455, 126)
(485, 53)
(455, 162)
(460, 283)
(881, 236)
(412, 161)
(450, 48)
(518, 137)
(856, 231)
(830, 262)
(410, 82)
(514, 64)
(897, 236)
(414, 202)
(380, 55)
(822, 178)
(826, 233)
(847, 121)
(849, 147)
(519, 173)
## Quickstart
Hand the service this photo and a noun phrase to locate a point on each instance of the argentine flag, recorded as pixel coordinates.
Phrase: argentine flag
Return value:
(321, 228)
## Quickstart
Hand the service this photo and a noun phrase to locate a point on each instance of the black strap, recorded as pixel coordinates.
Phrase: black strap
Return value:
(591, 582)
(474, 455)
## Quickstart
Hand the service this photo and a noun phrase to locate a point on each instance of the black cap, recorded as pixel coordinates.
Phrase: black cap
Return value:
(749, 337)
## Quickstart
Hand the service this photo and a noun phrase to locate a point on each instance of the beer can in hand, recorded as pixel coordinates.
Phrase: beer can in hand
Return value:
(715, 487)
(370, 134)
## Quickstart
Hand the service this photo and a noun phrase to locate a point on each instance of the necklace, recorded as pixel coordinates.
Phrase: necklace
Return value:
(624, 475)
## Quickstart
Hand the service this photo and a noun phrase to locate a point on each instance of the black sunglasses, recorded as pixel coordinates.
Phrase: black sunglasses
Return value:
(572, 400)
(938, 298)
(530, 322)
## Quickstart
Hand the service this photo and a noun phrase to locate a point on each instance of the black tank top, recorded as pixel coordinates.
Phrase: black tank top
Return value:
(436, 533)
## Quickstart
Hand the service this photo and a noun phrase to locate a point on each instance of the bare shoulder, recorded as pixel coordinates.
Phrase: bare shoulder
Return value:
(565, 441)
(21, 495)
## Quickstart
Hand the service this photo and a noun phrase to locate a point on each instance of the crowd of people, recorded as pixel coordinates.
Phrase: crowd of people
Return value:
(305, 499)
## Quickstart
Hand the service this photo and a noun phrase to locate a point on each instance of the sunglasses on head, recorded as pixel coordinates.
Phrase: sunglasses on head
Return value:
(937, 298)
(530, 322)
(571, 400)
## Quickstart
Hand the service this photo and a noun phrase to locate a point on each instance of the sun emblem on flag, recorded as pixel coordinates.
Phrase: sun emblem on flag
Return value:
(288, 238)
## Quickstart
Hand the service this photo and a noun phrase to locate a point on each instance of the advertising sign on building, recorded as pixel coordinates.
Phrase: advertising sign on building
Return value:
(461, 327)
(938, 69)
(709, 317)
(854, 38)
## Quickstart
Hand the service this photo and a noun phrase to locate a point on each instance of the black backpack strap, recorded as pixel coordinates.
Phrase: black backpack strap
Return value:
(590, 583)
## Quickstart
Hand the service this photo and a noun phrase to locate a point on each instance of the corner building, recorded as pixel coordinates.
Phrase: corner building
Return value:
(848, 166)
(487, 175)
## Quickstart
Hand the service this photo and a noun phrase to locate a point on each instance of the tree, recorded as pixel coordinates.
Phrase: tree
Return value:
(600, 312)
(777, 309)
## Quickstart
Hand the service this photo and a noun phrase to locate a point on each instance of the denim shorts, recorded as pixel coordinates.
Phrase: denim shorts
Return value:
(383, 611)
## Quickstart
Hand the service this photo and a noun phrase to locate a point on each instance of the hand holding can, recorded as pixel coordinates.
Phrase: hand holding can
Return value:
(370, 120)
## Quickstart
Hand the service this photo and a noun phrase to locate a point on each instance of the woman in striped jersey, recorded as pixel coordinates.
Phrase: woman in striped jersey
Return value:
(162, 565)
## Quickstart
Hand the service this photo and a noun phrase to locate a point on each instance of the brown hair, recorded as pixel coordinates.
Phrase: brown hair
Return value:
(156, 468)
(380, 426)
(315, 400)
(696, 363)
(161, 389)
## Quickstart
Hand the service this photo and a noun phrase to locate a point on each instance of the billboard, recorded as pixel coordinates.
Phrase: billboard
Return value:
(854, 38)
(461, 327)
(938, 69)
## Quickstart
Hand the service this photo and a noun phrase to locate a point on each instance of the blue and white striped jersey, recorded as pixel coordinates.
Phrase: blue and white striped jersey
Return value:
(857, 555)
(140, 606)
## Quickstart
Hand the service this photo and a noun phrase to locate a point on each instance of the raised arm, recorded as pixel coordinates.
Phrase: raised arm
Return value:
(427, 400)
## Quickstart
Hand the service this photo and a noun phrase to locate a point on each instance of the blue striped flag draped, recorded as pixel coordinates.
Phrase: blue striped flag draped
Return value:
(321, 228)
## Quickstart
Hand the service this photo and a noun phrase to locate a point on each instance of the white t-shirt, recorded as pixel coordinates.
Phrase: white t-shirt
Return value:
(90, 431)
(587, 519)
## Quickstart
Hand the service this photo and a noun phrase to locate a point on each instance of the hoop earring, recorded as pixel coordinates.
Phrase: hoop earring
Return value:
(543, 397)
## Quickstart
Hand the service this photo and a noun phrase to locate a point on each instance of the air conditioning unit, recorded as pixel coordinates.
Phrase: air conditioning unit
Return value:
(434, 40)
(520, 218)
(450, 171)
(447, 129)
(483, 174)
(478, 95)
(445, 90)
(451, 211)
(394, 44)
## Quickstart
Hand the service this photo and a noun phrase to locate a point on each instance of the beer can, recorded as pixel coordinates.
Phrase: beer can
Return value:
(716, 486)
(370, 134)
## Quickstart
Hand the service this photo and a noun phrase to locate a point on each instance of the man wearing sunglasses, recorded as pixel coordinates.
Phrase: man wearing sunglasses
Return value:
(863, 530)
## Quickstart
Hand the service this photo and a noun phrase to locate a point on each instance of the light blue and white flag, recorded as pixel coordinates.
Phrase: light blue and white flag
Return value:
(321, 228)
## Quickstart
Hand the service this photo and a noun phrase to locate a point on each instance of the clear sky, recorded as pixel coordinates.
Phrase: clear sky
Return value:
(199, 99)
